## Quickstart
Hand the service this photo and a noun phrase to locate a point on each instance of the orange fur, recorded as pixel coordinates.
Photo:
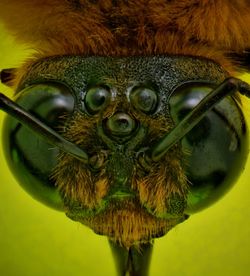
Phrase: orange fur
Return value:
(209, 28)
(129, 224)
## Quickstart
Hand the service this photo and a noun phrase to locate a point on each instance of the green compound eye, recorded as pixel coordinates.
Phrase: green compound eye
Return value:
(216, 147)
(144, 99)
(30, 157)
(97, 98)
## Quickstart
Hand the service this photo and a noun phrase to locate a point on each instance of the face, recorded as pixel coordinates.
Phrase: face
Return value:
(119, 111)
(133, 123)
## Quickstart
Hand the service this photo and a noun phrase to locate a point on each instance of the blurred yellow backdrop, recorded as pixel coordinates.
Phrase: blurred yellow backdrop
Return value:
(36, 240)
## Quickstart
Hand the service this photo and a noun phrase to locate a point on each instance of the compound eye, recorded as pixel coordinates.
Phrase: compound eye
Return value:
(49, 102)
(144, 99)
(215, 150)
(96, 99)
(29, 157)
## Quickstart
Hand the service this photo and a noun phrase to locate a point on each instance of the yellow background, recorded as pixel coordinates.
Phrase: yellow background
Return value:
(36, 240)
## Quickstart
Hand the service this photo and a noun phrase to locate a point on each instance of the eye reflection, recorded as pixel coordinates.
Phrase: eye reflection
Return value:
(97, 98)
(144, 99)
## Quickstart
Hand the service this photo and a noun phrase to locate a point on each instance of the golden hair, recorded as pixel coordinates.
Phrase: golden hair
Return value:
(210, 28)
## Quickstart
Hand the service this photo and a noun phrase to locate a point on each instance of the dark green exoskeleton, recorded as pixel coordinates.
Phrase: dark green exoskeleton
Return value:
(62, 99)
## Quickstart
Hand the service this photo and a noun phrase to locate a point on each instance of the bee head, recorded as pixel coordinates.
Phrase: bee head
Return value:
(119, 163)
